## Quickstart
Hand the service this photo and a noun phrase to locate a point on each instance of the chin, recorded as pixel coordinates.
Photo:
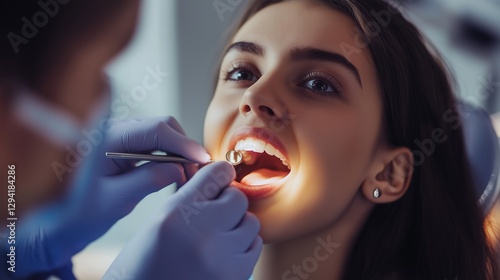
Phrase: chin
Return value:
(276, 225)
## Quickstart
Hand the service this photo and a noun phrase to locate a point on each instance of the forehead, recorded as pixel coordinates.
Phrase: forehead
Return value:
(300, 20)
(307, 23)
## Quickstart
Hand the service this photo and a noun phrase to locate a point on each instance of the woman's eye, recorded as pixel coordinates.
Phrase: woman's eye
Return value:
(242, 75)
(319, 85)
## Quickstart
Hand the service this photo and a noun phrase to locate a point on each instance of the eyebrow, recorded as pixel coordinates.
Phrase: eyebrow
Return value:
(248, 47)
(298, 54)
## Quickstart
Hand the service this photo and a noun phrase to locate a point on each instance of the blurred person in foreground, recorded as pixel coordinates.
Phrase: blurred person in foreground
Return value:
(54, 103)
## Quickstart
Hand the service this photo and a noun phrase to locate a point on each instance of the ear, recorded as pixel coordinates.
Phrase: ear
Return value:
(391, 174)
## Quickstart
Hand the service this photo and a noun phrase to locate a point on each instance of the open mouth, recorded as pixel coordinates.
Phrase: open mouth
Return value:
(263, 163)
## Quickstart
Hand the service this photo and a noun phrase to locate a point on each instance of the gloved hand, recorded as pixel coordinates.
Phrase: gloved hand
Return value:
(102, 192)
(203, 231)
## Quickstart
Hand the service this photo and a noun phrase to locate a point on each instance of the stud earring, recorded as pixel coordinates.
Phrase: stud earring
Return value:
(377, 193)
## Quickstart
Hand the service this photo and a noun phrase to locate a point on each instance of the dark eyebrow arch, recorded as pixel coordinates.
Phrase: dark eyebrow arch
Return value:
(248, 47)
(300, 54)
(317, 54)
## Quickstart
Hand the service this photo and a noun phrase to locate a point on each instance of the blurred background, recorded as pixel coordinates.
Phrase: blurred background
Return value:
(184, 38)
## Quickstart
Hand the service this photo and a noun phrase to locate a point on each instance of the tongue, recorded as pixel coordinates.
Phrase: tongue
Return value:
(263, 176)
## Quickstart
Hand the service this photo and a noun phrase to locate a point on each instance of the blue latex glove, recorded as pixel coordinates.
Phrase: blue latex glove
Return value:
(203, 231)
(102, 192)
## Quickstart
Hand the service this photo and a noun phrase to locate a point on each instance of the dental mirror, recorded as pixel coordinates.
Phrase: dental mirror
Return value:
(234, 157)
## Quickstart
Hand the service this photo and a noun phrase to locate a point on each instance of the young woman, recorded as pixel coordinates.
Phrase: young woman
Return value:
(354, 154)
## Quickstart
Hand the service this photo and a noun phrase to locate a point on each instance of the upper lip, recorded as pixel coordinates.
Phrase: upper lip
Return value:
(263, 134)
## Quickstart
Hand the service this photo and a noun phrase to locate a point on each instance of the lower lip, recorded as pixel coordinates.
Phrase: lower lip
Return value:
(257, 192)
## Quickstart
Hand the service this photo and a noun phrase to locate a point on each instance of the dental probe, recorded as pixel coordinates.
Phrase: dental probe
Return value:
(233, 157)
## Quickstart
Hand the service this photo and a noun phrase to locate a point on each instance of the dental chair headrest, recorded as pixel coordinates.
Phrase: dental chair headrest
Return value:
(483, 151)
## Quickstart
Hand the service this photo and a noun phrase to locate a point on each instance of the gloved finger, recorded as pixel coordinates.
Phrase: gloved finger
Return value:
(172, 141)
(208, 182)
(174, 124)
(233, 205)
(241, 266)
(119, 194)
(151, 135)
(254, 250)
(190, 170)
(240, 239)
(168, 119)
(222, 214)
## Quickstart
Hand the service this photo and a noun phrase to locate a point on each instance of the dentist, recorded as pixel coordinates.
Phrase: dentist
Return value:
(53, 119)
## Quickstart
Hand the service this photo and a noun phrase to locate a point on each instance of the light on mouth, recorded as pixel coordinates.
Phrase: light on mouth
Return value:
(262, 163)
(258, 146)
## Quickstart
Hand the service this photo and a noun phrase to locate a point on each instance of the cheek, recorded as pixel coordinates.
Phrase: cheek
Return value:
(334, 159)
(335, 154)
(338, 147)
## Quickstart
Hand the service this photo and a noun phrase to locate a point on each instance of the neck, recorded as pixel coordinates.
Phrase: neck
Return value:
(314, 256)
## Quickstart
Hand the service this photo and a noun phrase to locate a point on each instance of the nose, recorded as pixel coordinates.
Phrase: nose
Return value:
(262, 100)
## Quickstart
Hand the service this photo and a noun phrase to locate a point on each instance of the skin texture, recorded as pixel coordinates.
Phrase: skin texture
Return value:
(72, 82)
(336, 149)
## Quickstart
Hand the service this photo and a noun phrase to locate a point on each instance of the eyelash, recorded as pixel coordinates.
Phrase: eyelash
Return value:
(237, 66)
(330, 81)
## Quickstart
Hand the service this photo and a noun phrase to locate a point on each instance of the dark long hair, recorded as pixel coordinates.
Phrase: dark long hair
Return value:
(436, 230)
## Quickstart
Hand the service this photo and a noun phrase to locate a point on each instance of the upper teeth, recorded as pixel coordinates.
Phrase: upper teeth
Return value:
(259, 146)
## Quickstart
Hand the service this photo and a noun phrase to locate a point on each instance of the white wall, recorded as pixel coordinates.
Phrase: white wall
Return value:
(203, 28)
(153, 46)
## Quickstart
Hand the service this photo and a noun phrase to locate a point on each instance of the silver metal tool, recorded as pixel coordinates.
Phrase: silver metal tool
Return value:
(233, 157)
